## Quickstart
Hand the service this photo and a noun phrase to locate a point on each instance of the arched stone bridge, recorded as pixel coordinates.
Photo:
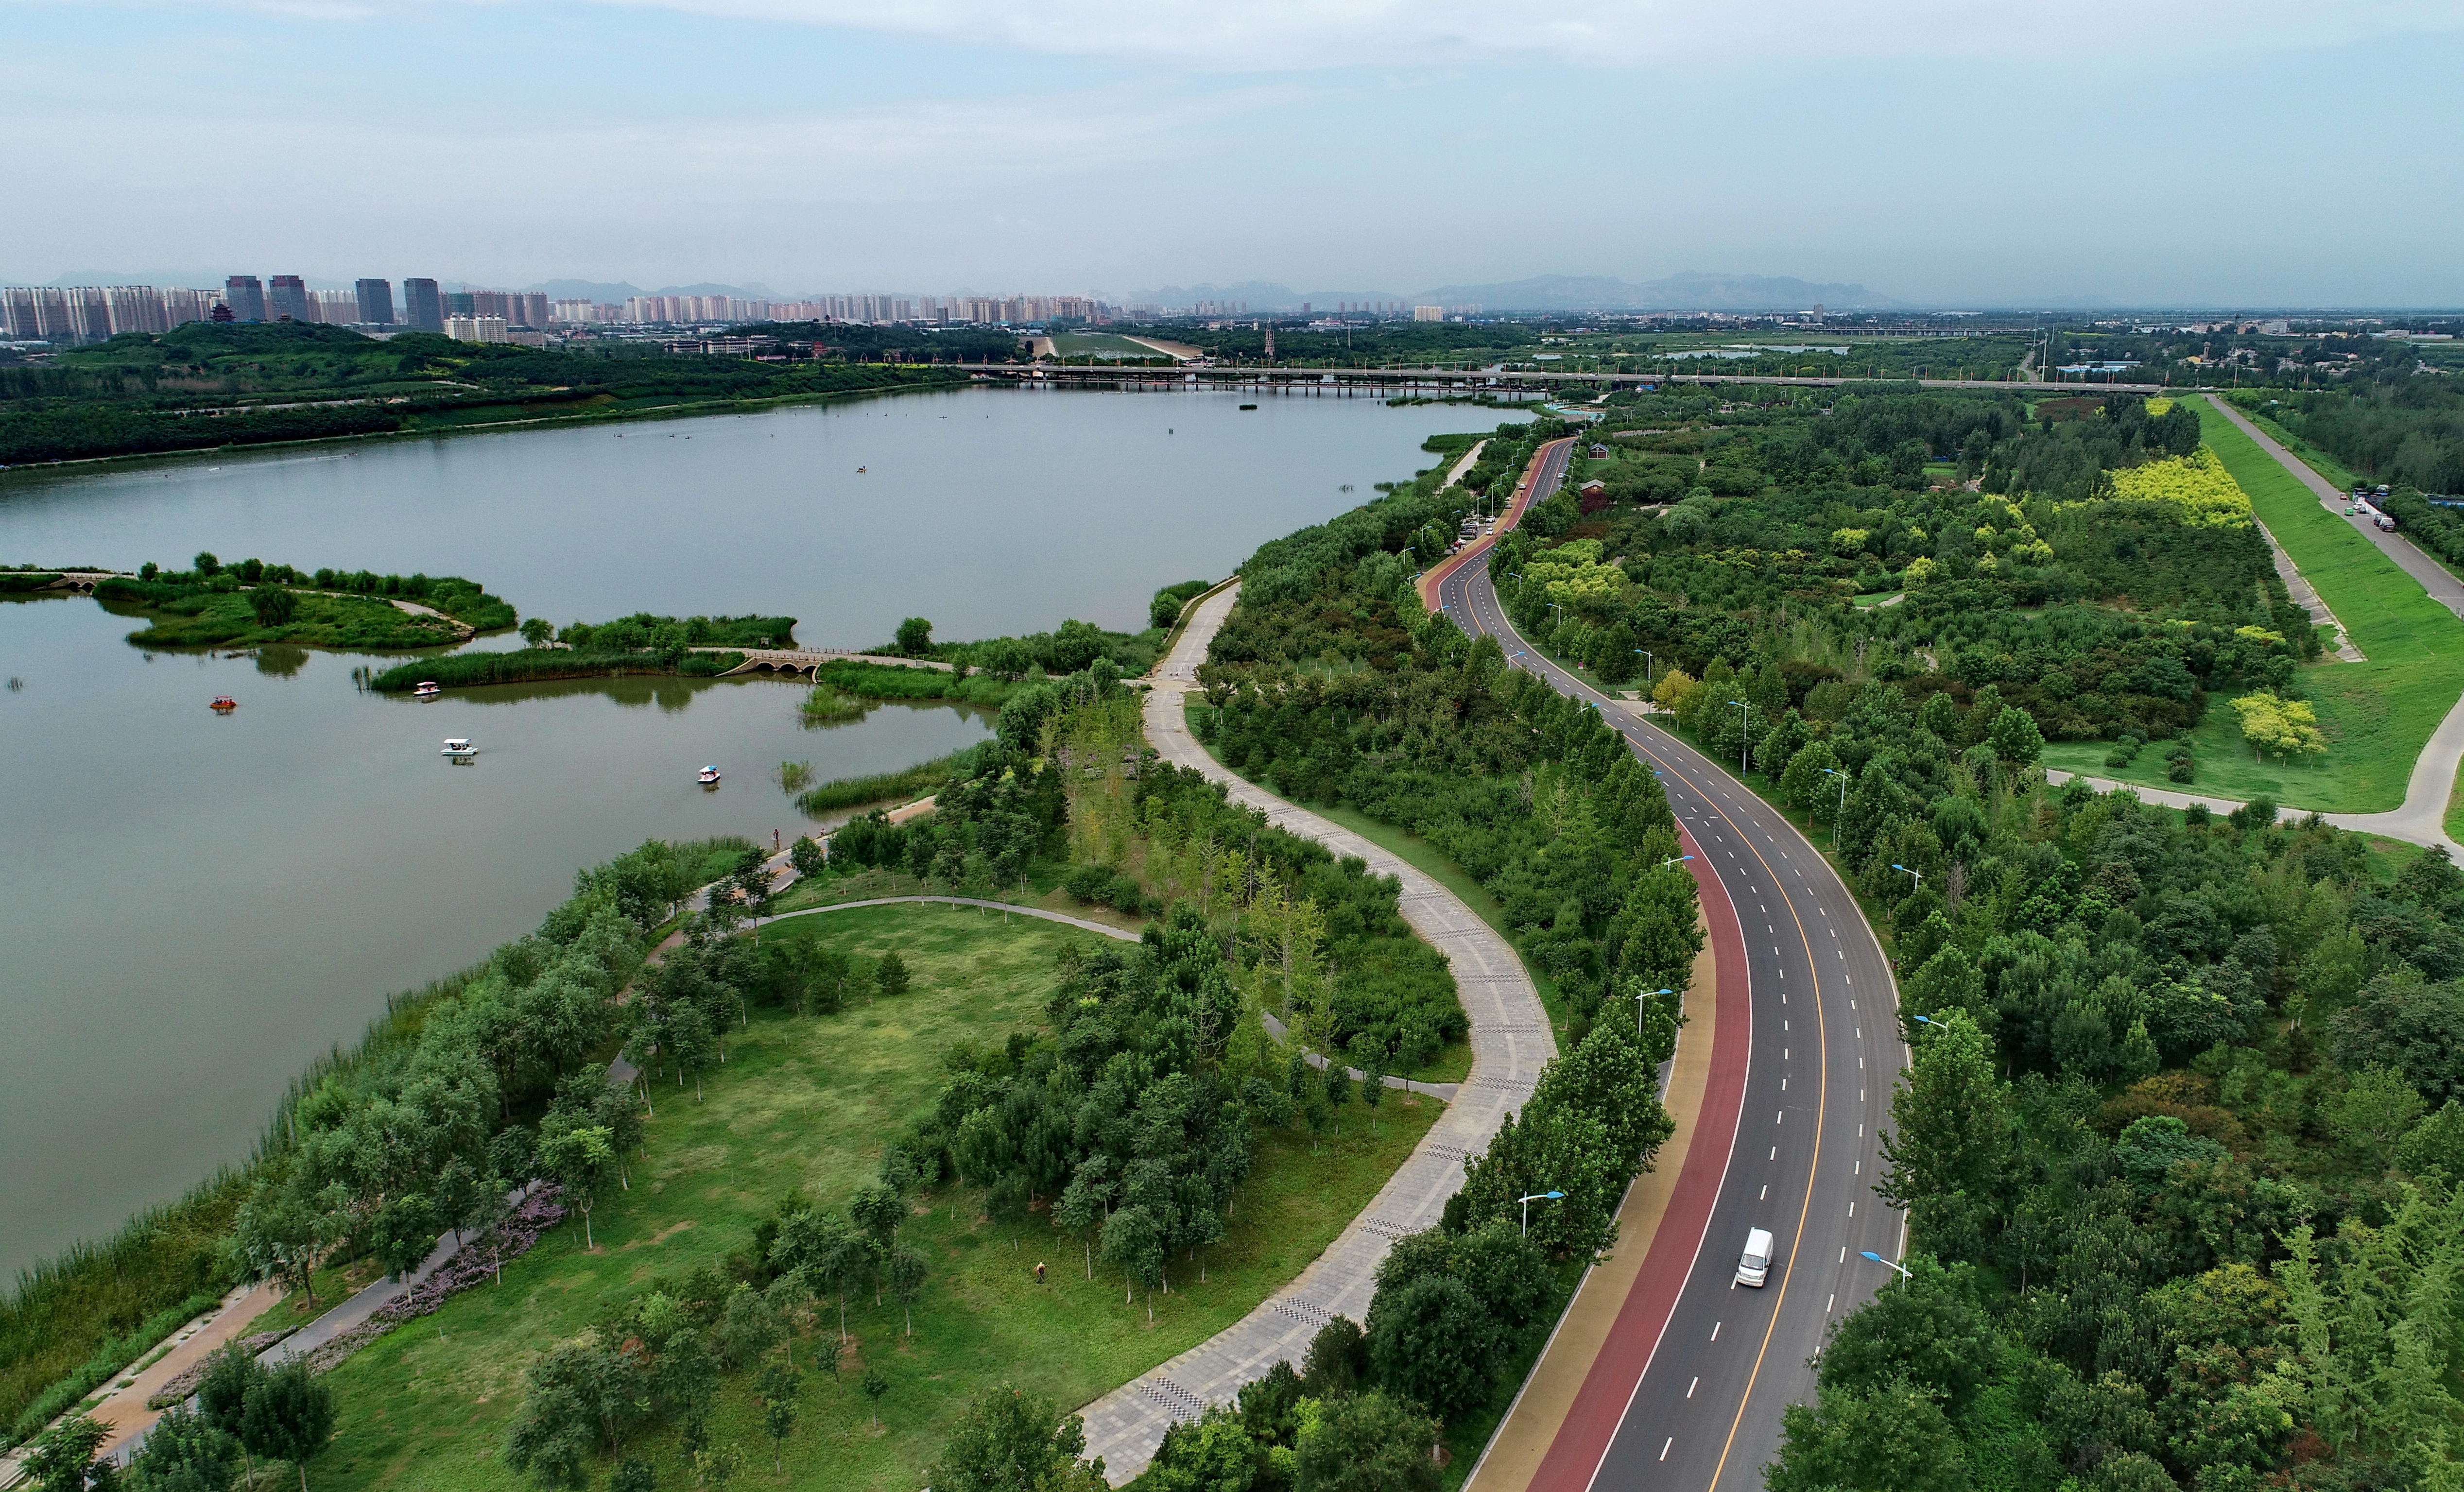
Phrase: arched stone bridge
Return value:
(798, 659)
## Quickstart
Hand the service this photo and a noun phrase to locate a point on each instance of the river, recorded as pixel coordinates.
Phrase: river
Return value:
(196, 905)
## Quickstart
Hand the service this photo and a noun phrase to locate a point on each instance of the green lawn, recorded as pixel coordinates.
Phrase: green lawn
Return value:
(803, 1106)
(2377, 715)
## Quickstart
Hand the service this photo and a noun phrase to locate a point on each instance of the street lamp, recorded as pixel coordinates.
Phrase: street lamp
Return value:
(1918, 874)
(1867, 1253)
(1843, 799)
(1647, 664)
(1638, 1007)
(1748, 736)
(1527, 1201)
(1678, 861)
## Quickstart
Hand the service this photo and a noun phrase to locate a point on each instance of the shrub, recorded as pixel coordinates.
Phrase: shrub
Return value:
(1087, 883)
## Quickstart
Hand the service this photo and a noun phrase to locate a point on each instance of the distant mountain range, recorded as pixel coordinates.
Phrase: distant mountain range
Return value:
(1690, 291)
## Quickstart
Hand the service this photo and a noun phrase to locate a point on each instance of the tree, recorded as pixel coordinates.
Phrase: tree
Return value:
(748, 1325)
(289, 1416)
(890, 974)
(2378, 1108)
(1081, 1207)
(780, 1382)
(2286, 727)
(1926, 1330)
(1895, 1438)
(403, 1232)
(1367, 1442)
(231, 1374)
(1432, 1343)
(273, 605)
(1009, 1441)
(2016, 738)
(537, 632)
(907, 1271)
(280, 1234)
(580, 1160)
(61, 1461)
(182, 1452)
(807, 856)
(686, 1379)
(634, 1474)
(1134, 1242)
(717, 1465)
(1948, 1152)
(874, 1386)
(915, 637)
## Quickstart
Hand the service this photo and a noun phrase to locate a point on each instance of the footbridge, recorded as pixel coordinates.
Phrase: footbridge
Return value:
(801, 660)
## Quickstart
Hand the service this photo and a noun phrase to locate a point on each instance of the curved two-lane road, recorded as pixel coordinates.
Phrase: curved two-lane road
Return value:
(1687, 1394)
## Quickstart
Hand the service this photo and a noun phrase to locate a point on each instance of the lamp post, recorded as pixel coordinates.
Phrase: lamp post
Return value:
(1678, 860)
(1867, 1253)
(1527, 1201)
(1647, 666)
(1638, 1002)
(1746, 744)
(1843, 801)
(1918, 874)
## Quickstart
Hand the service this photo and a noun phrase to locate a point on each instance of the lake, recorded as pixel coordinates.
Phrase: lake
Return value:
(197, 906)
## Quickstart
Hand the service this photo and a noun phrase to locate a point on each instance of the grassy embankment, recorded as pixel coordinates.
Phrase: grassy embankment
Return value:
(803, 1106)
(2377, 715)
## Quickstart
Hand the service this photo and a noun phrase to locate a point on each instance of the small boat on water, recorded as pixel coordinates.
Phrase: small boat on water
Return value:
(224, 704)
(708, 777)
(459, 748)
(426, 689)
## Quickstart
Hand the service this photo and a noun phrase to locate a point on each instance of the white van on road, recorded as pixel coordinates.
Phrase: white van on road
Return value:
(1753, 1265)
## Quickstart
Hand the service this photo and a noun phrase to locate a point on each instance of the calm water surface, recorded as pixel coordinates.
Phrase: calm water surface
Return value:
(192, 906)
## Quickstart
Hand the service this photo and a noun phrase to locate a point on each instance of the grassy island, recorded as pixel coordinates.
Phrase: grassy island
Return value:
(254, 602)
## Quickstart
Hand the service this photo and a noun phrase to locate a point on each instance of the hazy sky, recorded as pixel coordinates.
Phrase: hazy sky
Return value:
(2257, 152)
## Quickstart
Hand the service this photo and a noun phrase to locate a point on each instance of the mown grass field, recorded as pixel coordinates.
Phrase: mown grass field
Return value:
(805, 1106)
(2377, 715)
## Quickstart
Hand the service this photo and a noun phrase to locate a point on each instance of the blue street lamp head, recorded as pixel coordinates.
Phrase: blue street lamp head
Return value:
(1868, 1253)
(1833, 772)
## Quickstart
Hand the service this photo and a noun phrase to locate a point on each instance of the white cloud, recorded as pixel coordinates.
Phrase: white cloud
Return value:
(719, 169)
(1302, 34)
(1284, 35)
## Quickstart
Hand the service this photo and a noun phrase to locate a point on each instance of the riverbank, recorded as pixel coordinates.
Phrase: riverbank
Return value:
(340, 387)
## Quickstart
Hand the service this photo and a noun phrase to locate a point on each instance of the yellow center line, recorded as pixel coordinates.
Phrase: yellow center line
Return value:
(1823, 1092)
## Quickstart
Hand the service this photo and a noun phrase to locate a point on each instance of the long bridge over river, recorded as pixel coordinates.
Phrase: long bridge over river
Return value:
(1444, 382)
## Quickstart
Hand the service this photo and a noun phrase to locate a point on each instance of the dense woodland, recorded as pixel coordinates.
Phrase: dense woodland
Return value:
(2179, 1156)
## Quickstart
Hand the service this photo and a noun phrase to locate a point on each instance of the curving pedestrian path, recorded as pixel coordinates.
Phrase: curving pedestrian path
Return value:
(1510, 1042)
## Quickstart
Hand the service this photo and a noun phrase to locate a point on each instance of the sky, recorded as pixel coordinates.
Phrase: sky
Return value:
(1940, 152)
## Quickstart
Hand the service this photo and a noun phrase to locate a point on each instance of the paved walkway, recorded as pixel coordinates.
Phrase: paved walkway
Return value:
(2306, 596)
(2421, 820)
(1470, 459)
(124, 1415)
(1511, 1041)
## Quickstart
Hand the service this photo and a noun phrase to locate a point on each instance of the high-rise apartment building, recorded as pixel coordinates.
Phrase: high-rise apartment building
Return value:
(375, 302)
(422, 310)
(246, 298)
(461, 303)
(287, 295)
(531, 310)
(476, 328)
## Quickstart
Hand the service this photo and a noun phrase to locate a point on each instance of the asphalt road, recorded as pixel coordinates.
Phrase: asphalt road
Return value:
(1703, 1399)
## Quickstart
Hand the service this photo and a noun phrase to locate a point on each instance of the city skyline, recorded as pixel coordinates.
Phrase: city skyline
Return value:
(1940, 155)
